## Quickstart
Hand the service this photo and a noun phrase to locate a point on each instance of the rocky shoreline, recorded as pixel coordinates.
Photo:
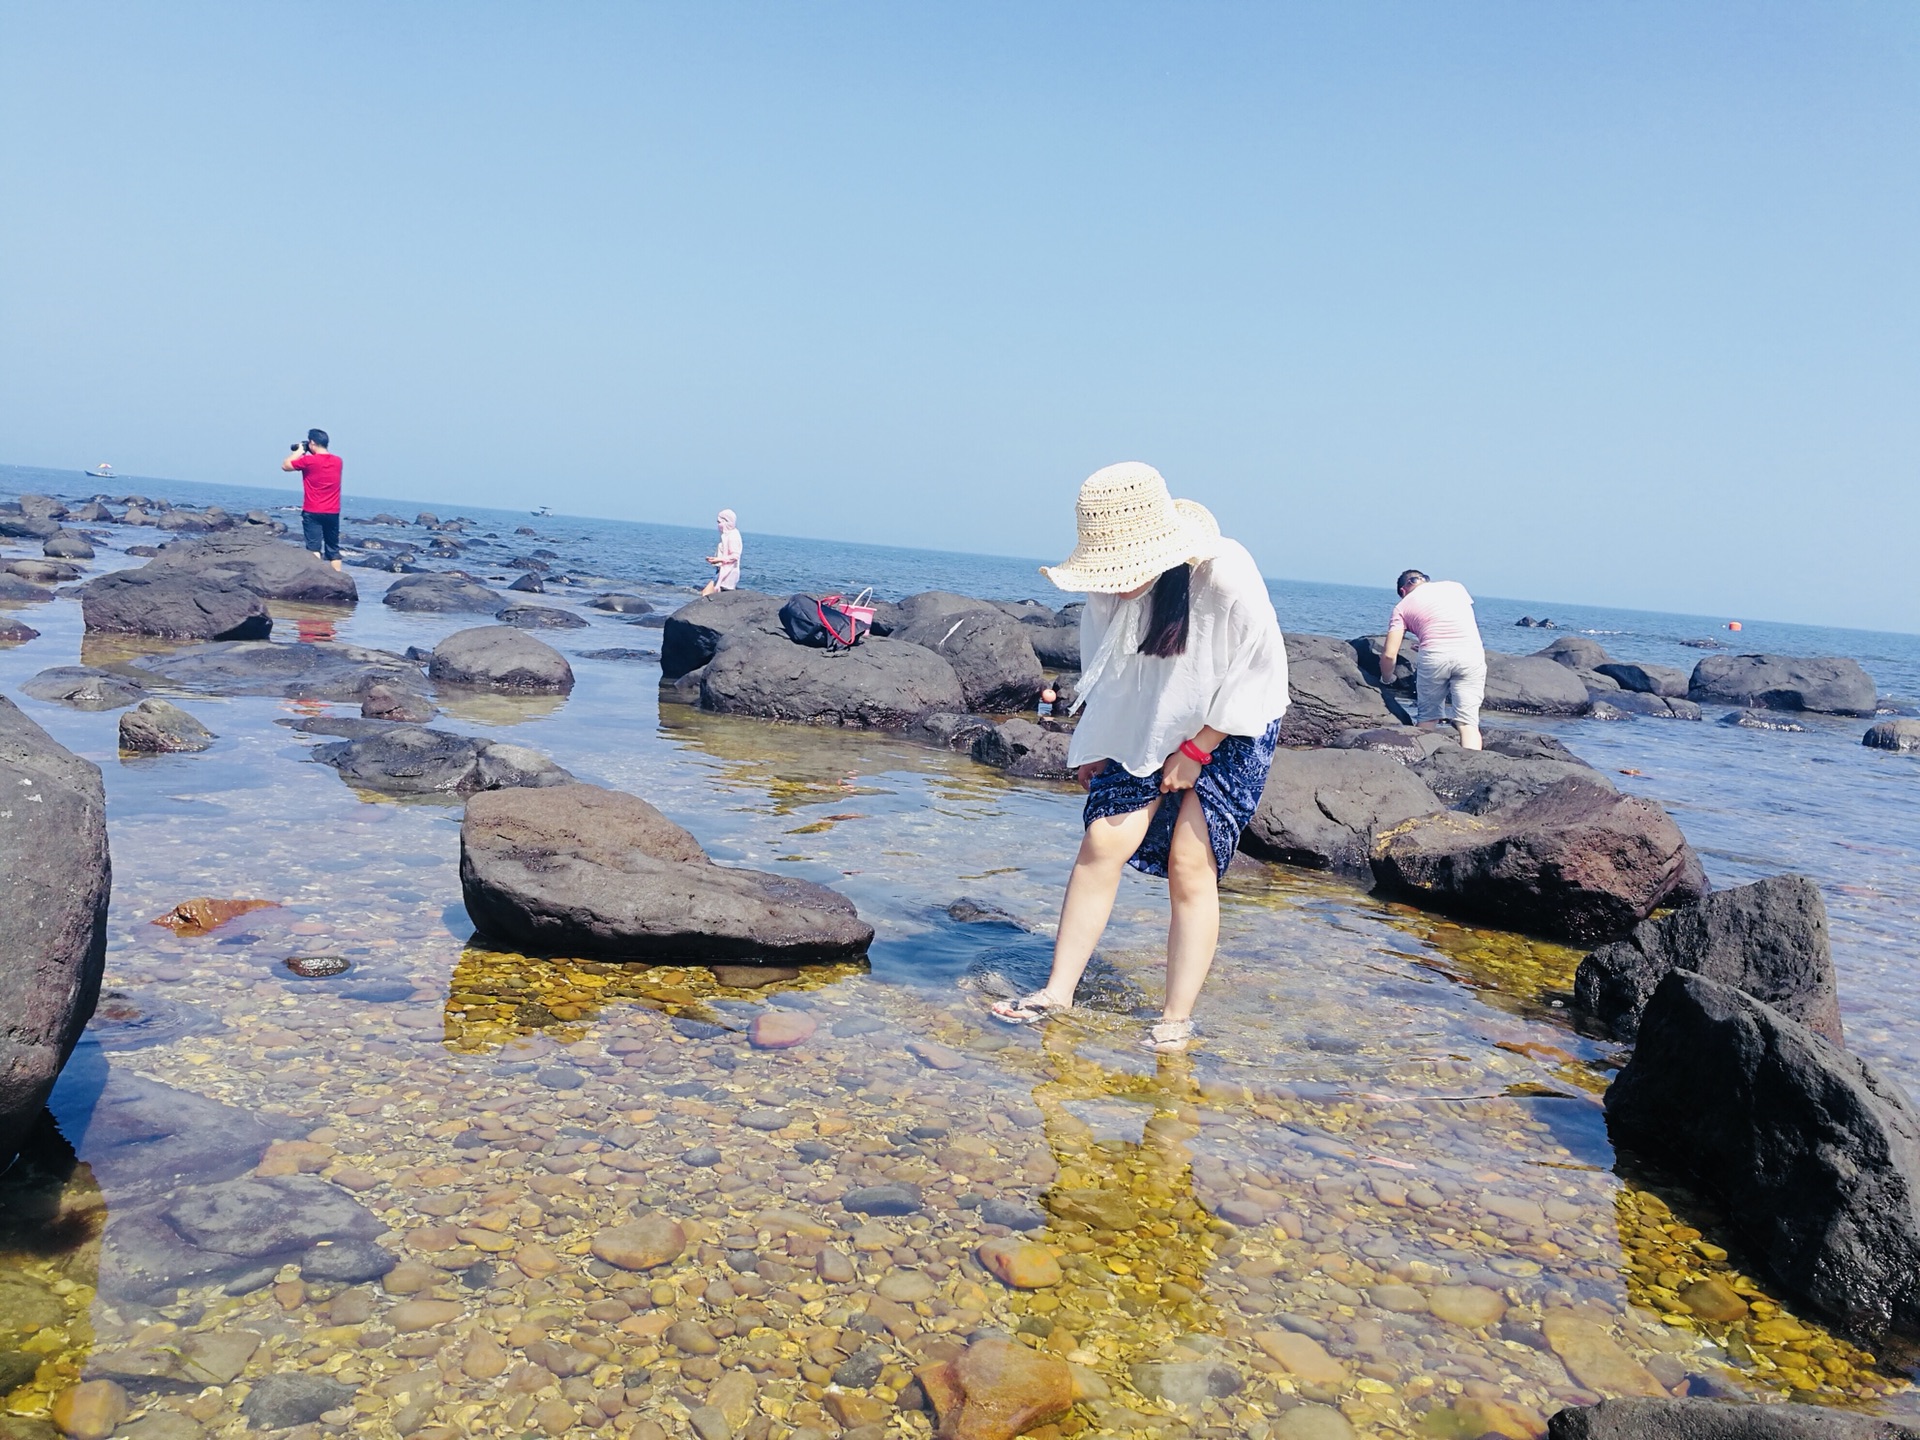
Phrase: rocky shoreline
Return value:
(773, 1251)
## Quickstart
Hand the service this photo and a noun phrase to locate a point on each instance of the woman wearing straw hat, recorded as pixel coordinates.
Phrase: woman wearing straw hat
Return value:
(1184, 685)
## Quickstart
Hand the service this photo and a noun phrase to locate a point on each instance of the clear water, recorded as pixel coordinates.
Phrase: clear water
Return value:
(1388, 1109)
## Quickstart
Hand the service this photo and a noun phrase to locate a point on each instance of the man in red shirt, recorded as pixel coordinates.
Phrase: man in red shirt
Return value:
(320, 500)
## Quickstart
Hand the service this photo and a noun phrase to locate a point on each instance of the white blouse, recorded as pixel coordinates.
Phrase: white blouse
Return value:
(1232, 675)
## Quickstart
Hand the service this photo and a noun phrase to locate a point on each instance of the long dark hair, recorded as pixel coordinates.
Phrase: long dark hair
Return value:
(1167, 623)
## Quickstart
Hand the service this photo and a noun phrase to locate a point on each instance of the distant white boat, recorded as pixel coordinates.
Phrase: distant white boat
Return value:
(544, 510)
(103, 471)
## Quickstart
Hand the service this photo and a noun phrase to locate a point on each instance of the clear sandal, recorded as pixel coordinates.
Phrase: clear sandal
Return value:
(1029, 1009)
(1168, 1037)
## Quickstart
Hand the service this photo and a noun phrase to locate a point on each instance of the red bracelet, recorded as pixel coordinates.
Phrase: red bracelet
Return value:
(1194, 752)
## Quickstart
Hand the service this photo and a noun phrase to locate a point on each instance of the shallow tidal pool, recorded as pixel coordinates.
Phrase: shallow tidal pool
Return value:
(1378, 1199)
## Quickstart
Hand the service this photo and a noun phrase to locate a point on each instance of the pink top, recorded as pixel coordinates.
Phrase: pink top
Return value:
(1439, 614)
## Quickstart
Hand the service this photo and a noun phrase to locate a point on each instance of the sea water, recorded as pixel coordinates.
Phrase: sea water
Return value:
(1382, 1187)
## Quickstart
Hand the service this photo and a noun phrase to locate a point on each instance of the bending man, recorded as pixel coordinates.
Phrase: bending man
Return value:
(1451, 666)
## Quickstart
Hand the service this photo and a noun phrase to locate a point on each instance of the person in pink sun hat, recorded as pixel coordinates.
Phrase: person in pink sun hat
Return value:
(1183, 690)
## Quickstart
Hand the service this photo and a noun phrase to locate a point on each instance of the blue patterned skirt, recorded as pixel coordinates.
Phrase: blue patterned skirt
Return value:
(1229, 791)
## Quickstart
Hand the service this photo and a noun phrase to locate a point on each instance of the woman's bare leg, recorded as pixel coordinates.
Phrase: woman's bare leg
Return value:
(1104, 851)
(1194, 933)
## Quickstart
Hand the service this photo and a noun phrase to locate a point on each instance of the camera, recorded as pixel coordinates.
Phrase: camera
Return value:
(300, 445)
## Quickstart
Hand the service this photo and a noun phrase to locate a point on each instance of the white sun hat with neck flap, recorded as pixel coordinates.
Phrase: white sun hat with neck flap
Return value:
(1131, 530)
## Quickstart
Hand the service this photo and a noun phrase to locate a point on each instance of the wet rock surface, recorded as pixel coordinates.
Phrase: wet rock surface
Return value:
(1900, 736)
(299, 671)
(1699, 1419)
(410, 760)
(174, 604)
(1574, 861)
(159, 727)
(577, 868)
(253, 557)
(1768, 939)
(500, 657)
(691, 636)
(1816, 1156)
(441, 595)
(84, 688)
(53, 851)
(1332, 693)
(1024, 749)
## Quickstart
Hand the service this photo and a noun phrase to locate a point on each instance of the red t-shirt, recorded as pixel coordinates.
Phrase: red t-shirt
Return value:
(321, 475)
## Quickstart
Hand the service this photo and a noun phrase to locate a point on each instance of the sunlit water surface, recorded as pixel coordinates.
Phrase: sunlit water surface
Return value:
(1384, 1166)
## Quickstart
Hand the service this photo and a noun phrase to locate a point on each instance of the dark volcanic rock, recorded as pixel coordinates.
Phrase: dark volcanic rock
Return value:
(1815, 1156)
(1332, 691)
(1532, 685)
(84, 688)
(347, 1262)
(280, 1216)
(1024, 749)
(1576, 861)
(540, 617)
(253, 557)
(1483, 781)
(441, 595)
(174, 605)
(67, 545)
(499, 657)
(156, 727)
(14, 590)
(1696, 1419)
(527, 584)
(299, 672)
(1768, 939)
(1647, 679)
(386, 702)
(1658, 707)
(1899, 736)
(1576, 652)
(1784, 682)
(1322, 809)
(12, 632)
(1056, 641)
(950, 730)
(278, 1402)
(410, 760)
(879, 684)
(578, 870)
(989, 652)
(622, 604)
(691, 636)
(144, 1139)
(53, 928)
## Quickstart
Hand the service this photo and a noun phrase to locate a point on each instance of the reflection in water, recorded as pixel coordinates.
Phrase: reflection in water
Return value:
(482, 707)
(314, 632)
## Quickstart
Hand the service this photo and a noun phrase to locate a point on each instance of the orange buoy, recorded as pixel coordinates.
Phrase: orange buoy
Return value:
(1733, 624)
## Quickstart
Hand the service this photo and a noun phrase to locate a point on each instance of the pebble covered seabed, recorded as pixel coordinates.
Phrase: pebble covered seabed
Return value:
(1378, 1200)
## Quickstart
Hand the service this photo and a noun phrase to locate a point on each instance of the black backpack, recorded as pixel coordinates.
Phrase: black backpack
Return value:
(828, 623)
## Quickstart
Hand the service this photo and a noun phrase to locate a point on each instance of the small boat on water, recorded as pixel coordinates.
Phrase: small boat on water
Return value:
(102, 471)
(544, 510)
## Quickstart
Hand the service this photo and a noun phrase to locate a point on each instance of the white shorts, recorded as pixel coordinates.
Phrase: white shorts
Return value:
(1443, 679)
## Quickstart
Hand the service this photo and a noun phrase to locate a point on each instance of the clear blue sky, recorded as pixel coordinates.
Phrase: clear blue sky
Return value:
(1600, 302)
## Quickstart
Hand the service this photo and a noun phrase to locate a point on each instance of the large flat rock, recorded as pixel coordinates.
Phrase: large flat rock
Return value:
(1829, 685)
(1815, 1155)
(301, 672)
(881, 684)
(174, 605)
(578, 870)
(500, 657)
(692, 634)
(260, 561)
(413, 760)
(53, 927)
(1575, 861)
(1533, 685)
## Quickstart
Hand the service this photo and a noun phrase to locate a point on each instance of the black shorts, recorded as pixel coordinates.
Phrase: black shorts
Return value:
(322, 532)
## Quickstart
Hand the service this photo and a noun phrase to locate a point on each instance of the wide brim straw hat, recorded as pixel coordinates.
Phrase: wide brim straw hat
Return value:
(1132, 529)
